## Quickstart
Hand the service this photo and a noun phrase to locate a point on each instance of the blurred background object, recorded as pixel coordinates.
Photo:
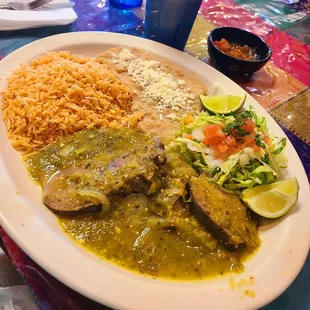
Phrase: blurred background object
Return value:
(170, 21)
(14, 294)
(126, 4)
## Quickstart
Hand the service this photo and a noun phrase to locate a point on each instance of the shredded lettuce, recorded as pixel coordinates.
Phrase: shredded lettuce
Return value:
(203, 119)
(279, 145)
(238, 183)
(264, 174)
(242, 170)
(234, 176)
(227, 167)
(197, 145)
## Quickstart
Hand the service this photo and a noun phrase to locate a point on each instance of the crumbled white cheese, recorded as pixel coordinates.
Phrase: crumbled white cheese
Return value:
(126, 55)
(171, 116)
(181, 82)
(167, 92)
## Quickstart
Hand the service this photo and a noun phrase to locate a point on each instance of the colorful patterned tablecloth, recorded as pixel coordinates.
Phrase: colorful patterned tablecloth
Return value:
(281, 87)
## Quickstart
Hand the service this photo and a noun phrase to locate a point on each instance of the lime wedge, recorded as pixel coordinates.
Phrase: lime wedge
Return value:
(272, 200)
(223, 104)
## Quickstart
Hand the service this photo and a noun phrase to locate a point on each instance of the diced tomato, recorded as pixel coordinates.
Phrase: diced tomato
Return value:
(188, 136)
(233, 150)
(237, 150)
(214, 135)
(255, 147)
(248, 125)
(212, 130)
(219, 155)
(230, 140)
(189, 119)
(267, 140)
(249, 140)
(222, 147)
(205, 141)
(241, 145)
(230, 150)
(234, 132)
(212, 140)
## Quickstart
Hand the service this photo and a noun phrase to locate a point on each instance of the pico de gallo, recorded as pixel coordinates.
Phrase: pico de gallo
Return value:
(236, 151)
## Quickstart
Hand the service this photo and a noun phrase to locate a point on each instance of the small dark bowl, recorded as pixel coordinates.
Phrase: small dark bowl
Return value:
(232, 65)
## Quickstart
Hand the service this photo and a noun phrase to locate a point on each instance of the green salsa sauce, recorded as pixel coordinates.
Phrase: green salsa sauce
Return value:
(133, 236)
(153, 234)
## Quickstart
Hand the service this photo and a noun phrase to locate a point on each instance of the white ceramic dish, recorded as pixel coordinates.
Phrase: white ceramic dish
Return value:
(285, 242)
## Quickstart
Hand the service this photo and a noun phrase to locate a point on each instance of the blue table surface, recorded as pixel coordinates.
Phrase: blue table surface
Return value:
(96, 15)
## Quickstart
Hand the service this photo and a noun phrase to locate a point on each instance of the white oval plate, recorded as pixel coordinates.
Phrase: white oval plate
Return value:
(35, 229)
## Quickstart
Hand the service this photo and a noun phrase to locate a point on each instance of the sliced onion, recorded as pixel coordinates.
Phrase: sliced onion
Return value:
(49, 186)
(249, 151)
(244, 159)
(212, 162)
(198, 134)
(197, 145)
(207, 150)
(192, 147)
(95, 194)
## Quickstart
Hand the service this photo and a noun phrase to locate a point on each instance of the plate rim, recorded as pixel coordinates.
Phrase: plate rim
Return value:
(86, 36)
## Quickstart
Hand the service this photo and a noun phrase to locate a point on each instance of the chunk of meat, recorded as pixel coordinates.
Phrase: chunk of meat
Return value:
(63, 193)
(76, 189)
(224, 214)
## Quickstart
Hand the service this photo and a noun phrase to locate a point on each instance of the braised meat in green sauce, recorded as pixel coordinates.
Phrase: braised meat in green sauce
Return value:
(79, 172)
(148, 224)
(224, 214)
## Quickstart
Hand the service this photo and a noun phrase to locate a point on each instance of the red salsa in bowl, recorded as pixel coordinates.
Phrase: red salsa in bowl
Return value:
(236, 50)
